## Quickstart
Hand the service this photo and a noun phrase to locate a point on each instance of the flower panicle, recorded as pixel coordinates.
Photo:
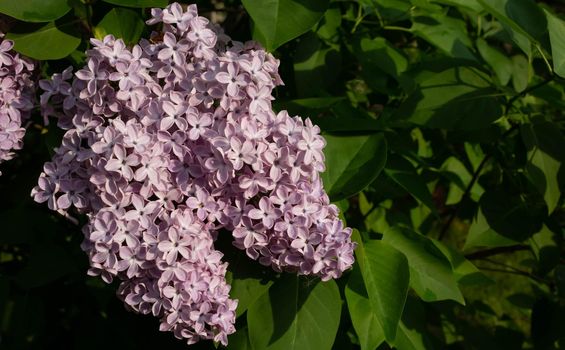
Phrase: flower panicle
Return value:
(172, 140)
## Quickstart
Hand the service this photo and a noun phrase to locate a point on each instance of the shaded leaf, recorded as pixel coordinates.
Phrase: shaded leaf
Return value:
(51, 41)
(379, 54)
(542, 168)
(556, 28)
(523, 16)
(481, 235)
(316, 66)
(500, 63)
(457, 98)
(279, 21)
(431, 275)
(446, 33)
(402, 172)
(516, 216)
(365, 321)
(139, 3)
(35, 10)
(295, 314)
(122, 23)
(386, 276)
(352, 163)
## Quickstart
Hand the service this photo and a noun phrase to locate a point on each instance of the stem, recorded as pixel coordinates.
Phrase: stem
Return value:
(517, 272)
(525, 92)
(397, 28)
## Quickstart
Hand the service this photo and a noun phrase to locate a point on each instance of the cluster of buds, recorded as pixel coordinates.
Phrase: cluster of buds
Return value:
(171, 140)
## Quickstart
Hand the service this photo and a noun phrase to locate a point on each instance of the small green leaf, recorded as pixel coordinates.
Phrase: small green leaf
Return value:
(386, 276)
(556, 28)
(446, 33)
(542, 168)
(379, 54)
(316, 66)
(431, 274)
(365, 321)
(122, 23)
(520, 72)
(523, 16)
(296, 314)
(403, 173)
(278, 21)
(457, 98)
(501, 64)
(52, 41)
(35, 10)
(352, 163)
(139, 3)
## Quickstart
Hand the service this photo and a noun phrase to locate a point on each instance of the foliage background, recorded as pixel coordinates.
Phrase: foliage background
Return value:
(445, 139)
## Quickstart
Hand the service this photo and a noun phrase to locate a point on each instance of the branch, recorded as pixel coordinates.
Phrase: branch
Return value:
(463, 197)
(474, 179)
(495, 251)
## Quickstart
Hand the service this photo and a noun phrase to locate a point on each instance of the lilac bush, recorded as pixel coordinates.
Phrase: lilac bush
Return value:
(172, 140)
(17, 93)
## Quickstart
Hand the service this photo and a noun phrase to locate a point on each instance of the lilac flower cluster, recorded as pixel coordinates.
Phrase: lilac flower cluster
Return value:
(172, 140)
(17, 94)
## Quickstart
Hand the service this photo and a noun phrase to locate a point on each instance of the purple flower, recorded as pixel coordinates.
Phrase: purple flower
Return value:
(17, 98)
(184, 144)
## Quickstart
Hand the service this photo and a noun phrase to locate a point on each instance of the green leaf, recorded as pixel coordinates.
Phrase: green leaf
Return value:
(515, 216)
(459, 177)
(139, 3)
(247, 288)
(556, 28)
(413, 331)
(316, 66)
(431, 275)
(296, 314)
(240, 339)
(379, 54)
(386, 276)
(542, 168)
(468, 4)
(279, 21)
(481, 235)
(35, 10)
(465, 272)
(457, 98)
(546, 250)
(365, 321)
(523, 16)
(122, 23)
(500, 63)
(403, 173)
(446, 33)
(520, 72)
(352, 163)
(51, 41)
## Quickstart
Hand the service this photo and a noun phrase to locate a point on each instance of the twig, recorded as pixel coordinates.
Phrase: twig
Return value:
(453, 214)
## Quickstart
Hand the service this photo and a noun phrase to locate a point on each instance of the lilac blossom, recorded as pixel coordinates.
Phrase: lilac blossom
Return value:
(17, 98)
(172, 142)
